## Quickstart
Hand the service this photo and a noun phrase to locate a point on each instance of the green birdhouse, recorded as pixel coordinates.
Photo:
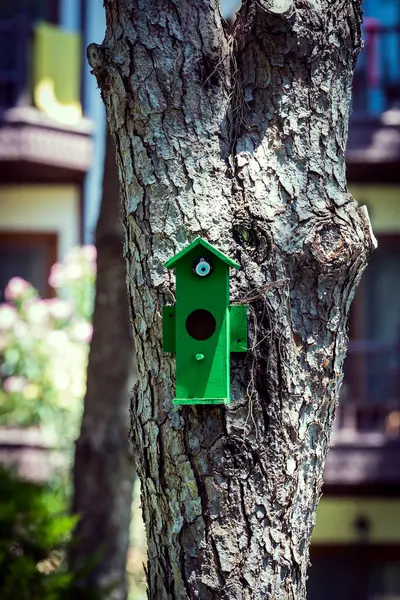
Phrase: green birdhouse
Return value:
(202, 329)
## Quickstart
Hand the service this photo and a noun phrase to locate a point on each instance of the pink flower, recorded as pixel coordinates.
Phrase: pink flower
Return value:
(36, 311)
(14, 385)
(82, 332)
(59, 309)
(74, 271)
(56, 278)
(8, 317)
(16, 288)
(89, 253)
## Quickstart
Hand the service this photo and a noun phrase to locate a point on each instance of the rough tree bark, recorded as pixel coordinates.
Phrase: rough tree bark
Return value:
(239, 138)
(103, 470)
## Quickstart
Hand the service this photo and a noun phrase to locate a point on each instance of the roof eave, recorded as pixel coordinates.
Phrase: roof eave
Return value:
(170, 264)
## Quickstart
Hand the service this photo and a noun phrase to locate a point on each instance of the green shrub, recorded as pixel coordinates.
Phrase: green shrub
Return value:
(44, 349)
(34, 535)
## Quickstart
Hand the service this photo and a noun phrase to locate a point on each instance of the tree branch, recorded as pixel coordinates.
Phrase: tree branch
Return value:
(284, 8)
(274, 14)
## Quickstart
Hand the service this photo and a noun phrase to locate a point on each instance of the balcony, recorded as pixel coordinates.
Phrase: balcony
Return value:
(374, 130)
(376, 83)
(43, 137)
(366, 438)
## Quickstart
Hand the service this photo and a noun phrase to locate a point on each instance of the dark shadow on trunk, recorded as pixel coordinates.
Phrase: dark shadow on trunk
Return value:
(103, 472)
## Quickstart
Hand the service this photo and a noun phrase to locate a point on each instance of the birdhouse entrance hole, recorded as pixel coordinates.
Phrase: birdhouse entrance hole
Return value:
(200, 324)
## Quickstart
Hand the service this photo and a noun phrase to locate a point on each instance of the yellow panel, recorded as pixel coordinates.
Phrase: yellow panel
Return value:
(57, 62)
(336, 520)
(383, 204)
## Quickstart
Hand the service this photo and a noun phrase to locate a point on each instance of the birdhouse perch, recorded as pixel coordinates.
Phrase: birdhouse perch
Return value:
(202, 328)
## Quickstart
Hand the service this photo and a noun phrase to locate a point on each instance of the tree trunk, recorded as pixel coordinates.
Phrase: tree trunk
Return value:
(239, 138)
(104, 471)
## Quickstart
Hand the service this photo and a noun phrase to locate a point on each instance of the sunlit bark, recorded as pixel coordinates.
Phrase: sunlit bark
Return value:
(240, 139)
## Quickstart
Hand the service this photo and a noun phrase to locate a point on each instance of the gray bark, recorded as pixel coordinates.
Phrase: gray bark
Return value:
(103, 470)
(240, 139)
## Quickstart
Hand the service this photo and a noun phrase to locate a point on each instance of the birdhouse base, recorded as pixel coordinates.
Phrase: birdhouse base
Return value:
(201, 401)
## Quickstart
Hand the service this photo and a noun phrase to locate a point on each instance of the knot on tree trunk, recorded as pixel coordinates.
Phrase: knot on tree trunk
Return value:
(329, 245)
(95, 57)
(333, 245)
(99, 59)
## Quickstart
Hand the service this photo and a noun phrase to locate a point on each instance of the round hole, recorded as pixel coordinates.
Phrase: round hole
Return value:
(200, 324)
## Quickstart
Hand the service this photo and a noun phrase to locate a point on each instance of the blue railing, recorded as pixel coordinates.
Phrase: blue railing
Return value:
(376, 84)
(370, 394)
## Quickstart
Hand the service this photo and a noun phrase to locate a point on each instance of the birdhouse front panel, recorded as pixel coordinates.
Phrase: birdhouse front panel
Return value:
(202, 329)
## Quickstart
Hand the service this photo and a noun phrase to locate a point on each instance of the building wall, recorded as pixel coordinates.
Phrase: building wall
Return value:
(337, 517)
(355, 550)
(42, 208)
(383, 204)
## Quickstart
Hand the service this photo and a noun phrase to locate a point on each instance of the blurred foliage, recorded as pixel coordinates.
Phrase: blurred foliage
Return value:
(44, 349)
(34, 536)
(44, 346)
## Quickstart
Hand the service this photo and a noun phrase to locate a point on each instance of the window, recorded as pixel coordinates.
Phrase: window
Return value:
(372, 367)
(384, 582)
(354, 572)
(16, 20)
(27, 255)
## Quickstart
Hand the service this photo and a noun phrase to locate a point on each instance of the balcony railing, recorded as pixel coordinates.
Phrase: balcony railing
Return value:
(370, 395)
(14, 38)
(43, 137)
(40, 63)
(376, 84)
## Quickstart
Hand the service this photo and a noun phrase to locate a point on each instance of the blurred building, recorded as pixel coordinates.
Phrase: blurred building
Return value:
(50, 170)
(50, 179)
(356, 543)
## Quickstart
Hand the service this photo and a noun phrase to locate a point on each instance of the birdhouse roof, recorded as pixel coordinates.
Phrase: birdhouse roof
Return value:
(170, 264)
